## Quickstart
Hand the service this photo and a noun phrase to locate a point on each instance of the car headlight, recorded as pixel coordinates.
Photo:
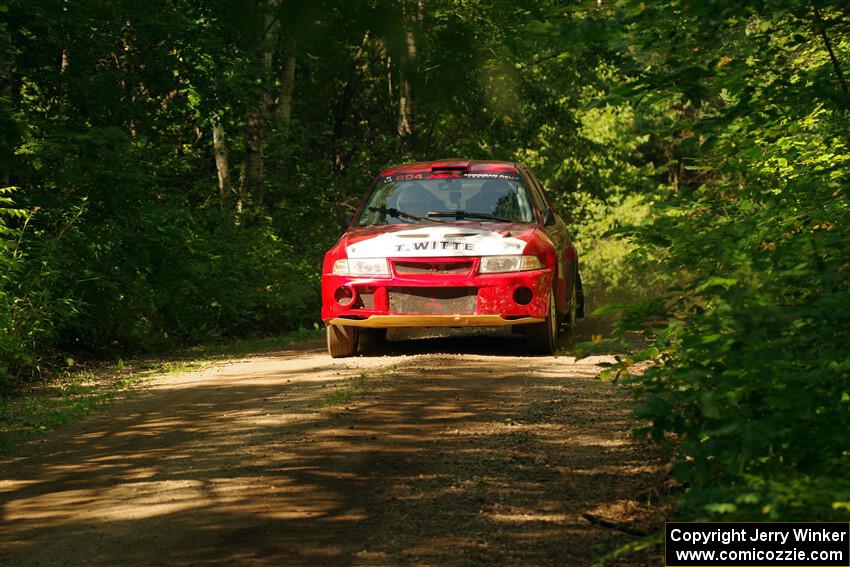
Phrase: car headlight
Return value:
(361, 267)
(512, 263)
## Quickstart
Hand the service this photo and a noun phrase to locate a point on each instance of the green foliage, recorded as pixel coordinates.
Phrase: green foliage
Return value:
(751, 376)
(698, 149)
(19, 335)
(193, 277)
(611, 268)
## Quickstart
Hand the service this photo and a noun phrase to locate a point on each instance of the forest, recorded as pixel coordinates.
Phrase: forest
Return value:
(172, 173)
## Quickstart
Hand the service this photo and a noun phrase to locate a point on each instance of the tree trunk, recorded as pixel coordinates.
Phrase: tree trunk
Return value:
(222, 166)
(836, 65)
(251, 189)
(390, 79)
(6, 73)
(64, 63)
(270, 31)
(407, 68)
(407, 75)
(287, 82)
(342, 108)
(266, 23)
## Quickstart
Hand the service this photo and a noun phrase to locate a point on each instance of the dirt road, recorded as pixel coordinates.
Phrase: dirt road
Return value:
(453, 451)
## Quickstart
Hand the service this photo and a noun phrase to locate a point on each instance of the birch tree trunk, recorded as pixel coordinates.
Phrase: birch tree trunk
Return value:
(64, 63)
(405, 126)
(222, 165)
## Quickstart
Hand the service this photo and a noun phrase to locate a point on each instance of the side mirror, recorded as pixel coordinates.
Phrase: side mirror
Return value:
(347, 218)
(548, 217)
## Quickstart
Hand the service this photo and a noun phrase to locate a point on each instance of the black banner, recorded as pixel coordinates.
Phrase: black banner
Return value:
(757, 544)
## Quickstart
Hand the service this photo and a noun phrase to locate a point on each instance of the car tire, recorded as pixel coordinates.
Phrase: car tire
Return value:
(542, 338)
(342, 340)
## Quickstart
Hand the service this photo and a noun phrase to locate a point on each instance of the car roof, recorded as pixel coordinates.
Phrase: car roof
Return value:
(454, 164)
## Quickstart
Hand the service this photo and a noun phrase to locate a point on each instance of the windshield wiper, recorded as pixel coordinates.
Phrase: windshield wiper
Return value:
(460, 215)
(401, 214)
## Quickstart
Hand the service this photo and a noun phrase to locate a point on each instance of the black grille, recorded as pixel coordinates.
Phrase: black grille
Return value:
(433, 267)
(433, 300)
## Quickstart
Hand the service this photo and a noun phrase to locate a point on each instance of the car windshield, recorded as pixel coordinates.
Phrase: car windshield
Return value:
(443, 197)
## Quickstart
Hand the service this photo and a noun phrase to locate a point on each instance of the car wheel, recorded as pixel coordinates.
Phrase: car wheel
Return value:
(342, 340)
(542, 338)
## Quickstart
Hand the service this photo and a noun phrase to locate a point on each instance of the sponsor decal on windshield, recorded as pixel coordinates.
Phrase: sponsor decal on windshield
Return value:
(449, 174)
(505, 176)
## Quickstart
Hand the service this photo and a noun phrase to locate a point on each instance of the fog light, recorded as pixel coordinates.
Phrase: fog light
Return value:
(344, 296)
(523, 295)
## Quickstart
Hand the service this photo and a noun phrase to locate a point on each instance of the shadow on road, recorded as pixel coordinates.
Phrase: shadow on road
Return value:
(480, 341)
(479, 459)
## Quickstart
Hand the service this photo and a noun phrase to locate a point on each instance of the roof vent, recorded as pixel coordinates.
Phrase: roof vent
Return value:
(450, 165)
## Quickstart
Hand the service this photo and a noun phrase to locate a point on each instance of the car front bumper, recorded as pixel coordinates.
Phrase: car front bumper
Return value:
(387, 321)
(427, 299)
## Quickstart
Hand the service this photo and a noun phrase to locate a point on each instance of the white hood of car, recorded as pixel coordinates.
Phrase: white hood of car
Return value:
(436, 241)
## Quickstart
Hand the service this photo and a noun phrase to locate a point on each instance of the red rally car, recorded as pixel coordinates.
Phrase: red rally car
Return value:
(452, 243)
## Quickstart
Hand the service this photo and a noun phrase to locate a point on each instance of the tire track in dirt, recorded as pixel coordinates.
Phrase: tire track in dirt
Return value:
(479, 458)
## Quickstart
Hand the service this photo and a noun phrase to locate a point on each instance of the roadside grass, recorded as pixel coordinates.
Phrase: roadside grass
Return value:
(202, 356)
(174, 366)
(642, 551)
(60, 399)
(353, 387)
(357, 386)
(68, 395)
(245, 347)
